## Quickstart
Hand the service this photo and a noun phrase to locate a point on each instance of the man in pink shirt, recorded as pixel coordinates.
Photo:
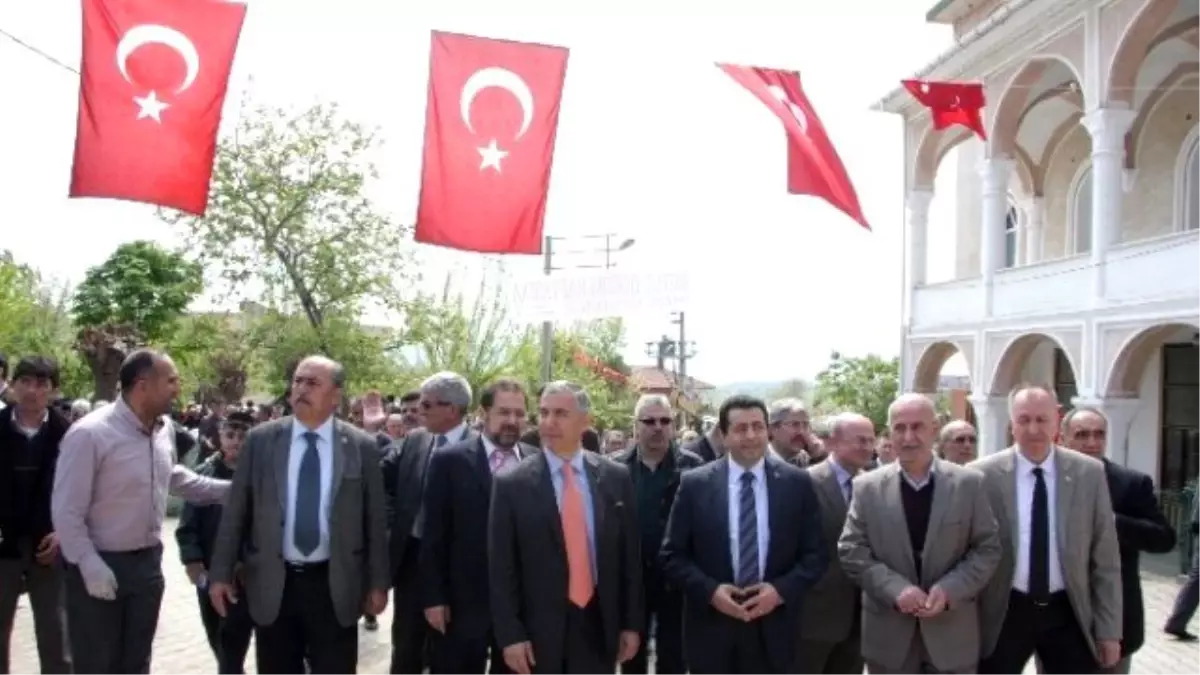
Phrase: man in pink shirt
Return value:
(115, 469)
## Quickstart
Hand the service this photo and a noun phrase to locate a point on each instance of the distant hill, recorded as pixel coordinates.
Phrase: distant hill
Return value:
(759, 389)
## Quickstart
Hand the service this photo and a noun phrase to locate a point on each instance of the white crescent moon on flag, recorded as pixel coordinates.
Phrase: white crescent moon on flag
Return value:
(779, 93)
(486, 78)
(147, 33)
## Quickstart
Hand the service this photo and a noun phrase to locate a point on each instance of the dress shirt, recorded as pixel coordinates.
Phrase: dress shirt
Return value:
(455, 435)
(29, 432)
(760, 507)
(108, 497)
(1025, 483)
(844, 477)
(510, 456)
(556, 477)
(295, 457)
(919, 484)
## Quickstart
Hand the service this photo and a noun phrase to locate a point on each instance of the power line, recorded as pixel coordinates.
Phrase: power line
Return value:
(37, 51)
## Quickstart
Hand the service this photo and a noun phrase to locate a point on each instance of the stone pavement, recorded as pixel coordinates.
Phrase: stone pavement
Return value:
(180, 647)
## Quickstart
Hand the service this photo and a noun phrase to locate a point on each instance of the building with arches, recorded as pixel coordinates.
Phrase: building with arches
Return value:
(1077, 220)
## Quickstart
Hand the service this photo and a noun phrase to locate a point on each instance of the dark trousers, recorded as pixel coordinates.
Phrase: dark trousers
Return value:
(664, 621)
(307, 628)
(410, 632)
(746, 652)
(44, 584)
(818, 657)
(1048, 630)
(229, 637)
(1185, 602)
(460, 652)
(116, 636)
(583, 644)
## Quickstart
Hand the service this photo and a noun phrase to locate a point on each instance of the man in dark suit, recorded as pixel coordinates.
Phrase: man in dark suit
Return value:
(305, 517)
(445, 400)
(1141, 525)
(565, 519)
(454, 557)
(656, 465)
(744, 544)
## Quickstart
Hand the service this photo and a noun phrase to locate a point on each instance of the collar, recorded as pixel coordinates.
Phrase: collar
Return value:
(324, 430)
(842, 474)
(1024, 466)
(122, 410)
(454, 435)
(556, 462)
(736, 471)
(667, 461)
(489, 447)
(913, 482)
(41, 423)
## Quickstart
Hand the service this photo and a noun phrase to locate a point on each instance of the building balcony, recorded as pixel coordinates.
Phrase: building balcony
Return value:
(1135, 273)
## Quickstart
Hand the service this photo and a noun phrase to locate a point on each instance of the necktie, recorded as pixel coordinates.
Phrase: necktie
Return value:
(580, 585)
(419, 522)
(498, 459)
(747, 574)
(1039, 540)
(849, 490)
(306, 526)
(441, 440)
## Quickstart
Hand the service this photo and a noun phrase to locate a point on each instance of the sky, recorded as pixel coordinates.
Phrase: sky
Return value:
(654, 143)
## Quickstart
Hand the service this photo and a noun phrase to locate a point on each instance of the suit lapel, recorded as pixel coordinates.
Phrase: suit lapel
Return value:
(776, 495)
(483, 471)
(1064, 479)
(339, 449)
(595, 478)
(720, 502)
(280, 450)
(1008, 493)
(894, 504)
(545, 494)
(828, 481)
(943, 493)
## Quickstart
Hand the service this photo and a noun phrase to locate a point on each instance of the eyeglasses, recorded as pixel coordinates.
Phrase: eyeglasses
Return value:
(1085, 434)
(964, 439)
(426, 405)
(656, 421)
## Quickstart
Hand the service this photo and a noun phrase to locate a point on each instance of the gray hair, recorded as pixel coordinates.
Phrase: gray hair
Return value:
(337, 372)
(952, 427)
(648, 400)
(449, 387)
(81, 406)
(822, 427)
(782, 408)
(1076, 412)
(582, 401)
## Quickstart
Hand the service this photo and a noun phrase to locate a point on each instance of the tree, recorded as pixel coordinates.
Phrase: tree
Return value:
(35, 320)
(134, 297)
(865, 385)
(793, 388)
(287, 209)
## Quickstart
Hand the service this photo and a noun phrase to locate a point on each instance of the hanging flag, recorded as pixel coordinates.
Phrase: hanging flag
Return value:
(814, 167)
(490, 125)
(152, 82)
(951, 103)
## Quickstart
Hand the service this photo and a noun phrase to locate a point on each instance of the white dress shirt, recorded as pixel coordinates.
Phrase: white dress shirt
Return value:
(295, 456)
(760, 507)
(1025, 484)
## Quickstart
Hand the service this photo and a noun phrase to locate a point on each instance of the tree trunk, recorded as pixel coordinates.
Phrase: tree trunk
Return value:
(104, 349)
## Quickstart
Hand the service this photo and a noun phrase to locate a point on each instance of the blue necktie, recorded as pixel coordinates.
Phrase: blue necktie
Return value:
(747, 574)
(306, 528)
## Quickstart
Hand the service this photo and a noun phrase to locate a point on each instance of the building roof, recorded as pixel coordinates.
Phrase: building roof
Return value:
(949, 11)
(651, 377)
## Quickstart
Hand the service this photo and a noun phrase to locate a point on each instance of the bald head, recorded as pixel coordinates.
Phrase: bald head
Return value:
(912, 424)
(851, 439)
(1034, 414)
(317, 389)
(1085, 430)
(913, 403)
(958, 442)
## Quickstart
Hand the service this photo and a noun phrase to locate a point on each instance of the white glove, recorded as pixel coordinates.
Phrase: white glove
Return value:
(100, 581)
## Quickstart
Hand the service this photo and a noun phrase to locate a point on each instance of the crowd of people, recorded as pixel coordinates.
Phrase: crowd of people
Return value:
(511, 539)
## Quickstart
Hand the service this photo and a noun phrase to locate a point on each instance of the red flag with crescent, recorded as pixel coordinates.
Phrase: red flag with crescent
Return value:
(153, 79)
(951, 103)
(490, 126)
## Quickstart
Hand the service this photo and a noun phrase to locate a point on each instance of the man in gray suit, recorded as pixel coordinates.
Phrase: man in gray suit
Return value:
(306, 524)
(830, 624)
(921, 540)
(1057, 591)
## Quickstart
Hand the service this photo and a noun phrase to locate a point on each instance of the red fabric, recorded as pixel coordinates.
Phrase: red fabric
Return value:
(951, 103)
(814, 167)
(488, 147)
(149, 134)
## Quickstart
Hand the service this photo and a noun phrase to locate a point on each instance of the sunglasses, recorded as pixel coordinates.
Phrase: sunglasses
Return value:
(964, 439)
(656, 421)
(1085, 434)
(426, 405)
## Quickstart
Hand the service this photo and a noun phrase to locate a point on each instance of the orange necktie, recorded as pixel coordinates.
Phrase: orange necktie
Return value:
(579, 562)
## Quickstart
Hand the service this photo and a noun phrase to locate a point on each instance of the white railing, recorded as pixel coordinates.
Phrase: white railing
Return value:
(1042, 288)
(1154, 269)
(947, 303)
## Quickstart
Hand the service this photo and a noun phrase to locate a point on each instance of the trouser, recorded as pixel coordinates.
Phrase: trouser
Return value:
(228, 637)
(664, 622)
(116, 636)
(1048, 630)
(822, 656)
(1185, 602)
(917, 661)
(43, 583)
(409, 630)
(306, 635)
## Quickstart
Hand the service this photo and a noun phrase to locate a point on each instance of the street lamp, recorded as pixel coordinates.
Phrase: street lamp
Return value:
(548, 267)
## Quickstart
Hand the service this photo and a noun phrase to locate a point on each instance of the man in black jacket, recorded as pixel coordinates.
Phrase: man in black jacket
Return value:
(196, 535)
(30, 433)
(1141, 525)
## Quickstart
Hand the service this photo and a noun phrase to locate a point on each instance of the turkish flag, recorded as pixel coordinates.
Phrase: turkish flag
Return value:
(951, 103)
(814, 167)
(152, 83)
(490, 124)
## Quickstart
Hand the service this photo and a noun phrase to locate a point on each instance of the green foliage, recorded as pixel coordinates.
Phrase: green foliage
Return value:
(865, 385)
(612, 403)
(140, 285)
(287, 209)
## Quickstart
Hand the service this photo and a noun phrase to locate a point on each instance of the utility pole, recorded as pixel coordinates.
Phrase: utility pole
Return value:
(684, 351)
(547, 325)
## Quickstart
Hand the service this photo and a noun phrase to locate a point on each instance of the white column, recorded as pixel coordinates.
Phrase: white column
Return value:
(993, 174)
(991, 417)
(1035, 214)
(1119, 413)
(918, 234)
(1107, 127)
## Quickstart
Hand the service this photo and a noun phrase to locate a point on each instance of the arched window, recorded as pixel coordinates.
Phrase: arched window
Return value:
(1081, 213)
(1191, 188)
(1011, 222)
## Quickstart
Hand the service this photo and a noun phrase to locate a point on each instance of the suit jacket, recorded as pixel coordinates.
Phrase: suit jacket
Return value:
(1141, 526)
(833, 603)
(404, 470)
(696, 557)
(962, 550)
(453, 559)
(1085, 533)
(252, 522)
(704, 449)
(528, 558)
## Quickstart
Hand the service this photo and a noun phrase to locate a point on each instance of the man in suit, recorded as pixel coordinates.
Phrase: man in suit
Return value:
(830, 623)
(656, 465)
(306, 519)
(565, 519)
(744, 544)
(921, 540)
(445, 401)
(1057, 591)
(454, 557)
(1187, 598)
(1141, 525)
